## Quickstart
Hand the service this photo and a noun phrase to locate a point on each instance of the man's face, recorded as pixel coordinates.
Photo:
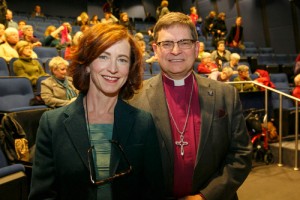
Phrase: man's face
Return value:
(12, 38)
(177, 62)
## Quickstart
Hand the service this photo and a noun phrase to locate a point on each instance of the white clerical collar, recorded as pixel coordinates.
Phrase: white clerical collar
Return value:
(180, 82)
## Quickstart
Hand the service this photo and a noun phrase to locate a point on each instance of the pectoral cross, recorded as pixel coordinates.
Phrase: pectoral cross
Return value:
(181, 143)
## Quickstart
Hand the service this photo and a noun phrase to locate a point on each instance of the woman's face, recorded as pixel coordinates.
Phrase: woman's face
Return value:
(60, 72)
(109, 72)
(221, 47)
(27, 51)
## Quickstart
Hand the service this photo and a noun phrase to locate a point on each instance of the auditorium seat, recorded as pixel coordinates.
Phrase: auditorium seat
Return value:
(249, 44)
(266, 50)
(44, 53)
(13, 181)
(251, 51)
(288, 106)
(15, 95)
(3, 67)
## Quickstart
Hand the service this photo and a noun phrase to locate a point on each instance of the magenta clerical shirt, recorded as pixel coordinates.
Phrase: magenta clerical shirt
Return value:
(178, 93)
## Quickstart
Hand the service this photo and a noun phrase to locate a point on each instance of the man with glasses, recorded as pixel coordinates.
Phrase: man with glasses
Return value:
(205, 148)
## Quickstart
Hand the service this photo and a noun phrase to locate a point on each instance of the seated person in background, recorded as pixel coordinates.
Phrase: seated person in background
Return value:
(7, 49)
(142, 45)
(223, 76)
(58, 90)
(70, 50)
(207, 65)
(25, 66)
(243, 75)
(9, 19)
(201, 50)
(297, 66)
(235, 36)
(2, 37)
(233, 62)
(219, 29)
(47, 32)
(207, 27)
(29, 37)
(263, 77)
(296, 90)
(109, 18)
(221, 52)
(124, 20)
(37, 12)
(94, 20)
(82, 19)
(21, 24)
(57, 37)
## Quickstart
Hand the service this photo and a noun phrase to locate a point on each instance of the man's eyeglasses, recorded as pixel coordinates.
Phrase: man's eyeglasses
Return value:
(182, 44)
(109, 179)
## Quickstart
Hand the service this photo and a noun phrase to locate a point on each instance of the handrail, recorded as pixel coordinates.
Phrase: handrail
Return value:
(297, 100)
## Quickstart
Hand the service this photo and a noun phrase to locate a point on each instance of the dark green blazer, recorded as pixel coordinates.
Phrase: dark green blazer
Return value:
(60, 169)
(224, 153)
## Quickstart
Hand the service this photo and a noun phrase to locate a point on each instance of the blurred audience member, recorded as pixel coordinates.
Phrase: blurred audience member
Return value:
(235, 36)
(3, 7)
(193, 15)
(139, 36)
(7, 49)
(9, 20)
(263, 77)
(25, 66)
(297, 65)
(207, 65)
(94, 20)
(233, 62)
(55, 37)
(164, 8)
(201, 51)
(142, 45)
(296, 90)
(84, 28)
(29, 37)
(21, 24)
(70, 50)
(109, 18)
(221, 52)
(124, 20)
(223, 76)
(58, 90)
(219, 29)
(2, 37)
(243, 75)
(37, 12)
(82, 19)
(207, 27)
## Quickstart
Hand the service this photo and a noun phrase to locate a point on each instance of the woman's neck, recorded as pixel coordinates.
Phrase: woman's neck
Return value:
(100, 108)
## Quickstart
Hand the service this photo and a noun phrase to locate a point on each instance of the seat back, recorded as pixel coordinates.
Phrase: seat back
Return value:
(11, 66)
(280, 81)
(3, 67)
(44, 53)
(39, 83)
(16, 93)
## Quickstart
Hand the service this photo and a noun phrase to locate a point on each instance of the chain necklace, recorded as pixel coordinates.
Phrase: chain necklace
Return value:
(182, 143)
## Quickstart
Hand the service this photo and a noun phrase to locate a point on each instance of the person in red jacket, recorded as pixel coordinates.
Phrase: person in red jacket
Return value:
(207, 65)
(296, 90)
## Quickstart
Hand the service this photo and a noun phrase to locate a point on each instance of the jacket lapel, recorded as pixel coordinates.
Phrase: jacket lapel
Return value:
(160, 113)
(207, 97)
(75, 124)
(123, 121)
